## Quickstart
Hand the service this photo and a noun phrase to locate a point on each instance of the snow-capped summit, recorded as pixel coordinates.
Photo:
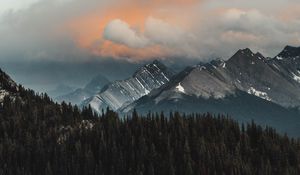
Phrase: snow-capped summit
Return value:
(118, 93)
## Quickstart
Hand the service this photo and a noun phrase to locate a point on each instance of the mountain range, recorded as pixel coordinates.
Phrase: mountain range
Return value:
(272, 79)
(247, 86)
(275, 80)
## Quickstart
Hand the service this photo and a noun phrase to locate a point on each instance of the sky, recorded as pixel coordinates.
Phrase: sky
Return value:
(45, 43)
(8, 5)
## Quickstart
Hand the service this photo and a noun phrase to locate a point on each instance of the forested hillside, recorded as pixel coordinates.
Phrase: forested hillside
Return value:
(38, 137)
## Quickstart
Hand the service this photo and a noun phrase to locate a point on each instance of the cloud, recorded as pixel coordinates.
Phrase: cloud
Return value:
(252, 28)
(38, 32)
(176, 39)
(156, 33)
(161, 32)
(137, 30)
(76, 32)
(120, 32)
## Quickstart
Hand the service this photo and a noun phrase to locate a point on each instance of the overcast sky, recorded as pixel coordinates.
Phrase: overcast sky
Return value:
(131, 32)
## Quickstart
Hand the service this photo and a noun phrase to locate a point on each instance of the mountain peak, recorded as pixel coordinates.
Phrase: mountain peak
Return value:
(289, 47)
(243, 56)
(289, 52)
(155, 66)
(245, 51)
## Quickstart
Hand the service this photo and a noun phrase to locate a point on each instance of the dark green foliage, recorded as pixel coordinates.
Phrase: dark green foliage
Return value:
(38, 137)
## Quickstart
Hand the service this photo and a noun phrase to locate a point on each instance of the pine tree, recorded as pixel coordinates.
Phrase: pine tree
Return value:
(48, 170)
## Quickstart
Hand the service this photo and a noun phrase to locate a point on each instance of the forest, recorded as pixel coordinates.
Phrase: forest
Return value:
(38, 136)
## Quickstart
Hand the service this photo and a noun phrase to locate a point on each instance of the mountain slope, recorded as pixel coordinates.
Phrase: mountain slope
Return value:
(96, 84)
(81, 94)
(241, 106)
(59, 90)
(289, 61)
(256, 75)
(118, 93)
(75, 97)
(7, 86)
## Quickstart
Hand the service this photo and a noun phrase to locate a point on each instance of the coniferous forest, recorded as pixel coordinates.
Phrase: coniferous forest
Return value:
(38, 136)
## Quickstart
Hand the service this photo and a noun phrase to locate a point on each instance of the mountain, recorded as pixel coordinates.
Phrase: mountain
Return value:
(75, 97)
(7, 86)
(259, 76)
(289, 62)
(81, 94)
(122, 92)
(247, 86)
(60, 90)
(96, 84)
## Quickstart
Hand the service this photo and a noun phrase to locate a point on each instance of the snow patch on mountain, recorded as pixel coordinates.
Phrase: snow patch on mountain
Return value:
(296, 77)
(180, 88)
(165, 76)
(258, 93)
(224, 65)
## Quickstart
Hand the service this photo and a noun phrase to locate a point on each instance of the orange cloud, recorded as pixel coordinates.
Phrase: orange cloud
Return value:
(89, 28)
(110, 49)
